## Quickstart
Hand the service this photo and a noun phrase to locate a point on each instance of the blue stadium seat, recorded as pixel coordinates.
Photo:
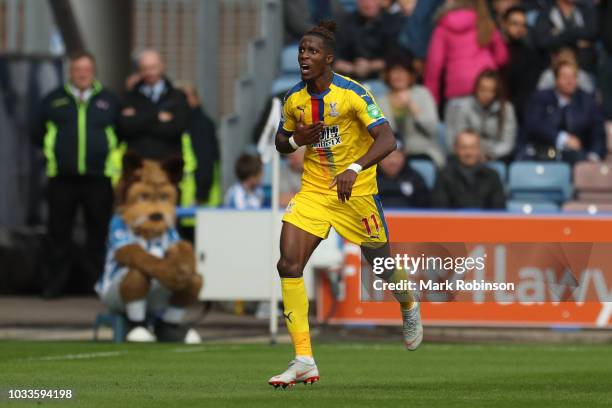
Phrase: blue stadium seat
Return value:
(500, 168)
(289, 63)
(284, 83)
(540, 181)
(531, 207)
(426, 169)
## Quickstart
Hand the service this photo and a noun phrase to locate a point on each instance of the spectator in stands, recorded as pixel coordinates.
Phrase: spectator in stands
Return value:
(416, 31)
(206, 148)
(489, 114)
(466, 182)
(464, 43)
(76, 132)
(410, 109)
(300, 15)
(399, 185)
(290, 182)
(565, 54)
(564, 121)
(569, 23)
(526, 62)
(501, 7)
(155, 114)
(246, 193)
(605, 13)
(364, 39)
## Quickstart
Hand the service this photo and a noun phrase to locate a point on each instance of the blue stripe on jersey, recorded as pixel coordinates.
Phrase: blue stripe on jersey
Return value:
(344, 83)
(381, 214)
(378, 122)
(296, 88)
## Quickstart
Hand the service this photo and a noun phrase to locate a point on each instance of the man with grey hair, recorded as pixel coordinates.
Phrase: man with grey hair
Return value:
(154, 114)
(466, 182)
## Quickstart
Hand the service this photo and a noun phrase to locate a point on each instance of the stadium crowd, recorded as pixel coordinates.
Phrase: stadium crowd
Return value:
(475, 85)
(469, 87)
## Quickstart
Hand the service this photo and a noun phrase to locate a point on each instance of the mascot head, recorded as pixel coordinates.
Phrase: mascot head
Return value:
(147, 194)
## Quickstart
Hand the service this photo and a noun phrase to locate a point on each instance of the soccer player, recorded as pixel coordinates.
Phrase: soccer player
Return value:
(345, 135)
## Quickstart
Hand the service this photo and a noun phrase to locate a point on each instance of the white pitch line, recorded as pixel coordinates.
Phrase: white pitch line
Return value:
(81, 356)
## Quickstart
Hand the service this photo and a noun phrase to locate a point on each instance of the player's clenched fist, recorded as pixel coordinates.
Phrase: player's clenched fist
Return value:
(344, 184)
(307, 134)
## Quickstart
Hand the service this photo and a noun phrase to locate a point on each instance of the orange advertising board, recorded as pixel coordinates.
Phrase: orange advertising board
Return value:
(482, 228)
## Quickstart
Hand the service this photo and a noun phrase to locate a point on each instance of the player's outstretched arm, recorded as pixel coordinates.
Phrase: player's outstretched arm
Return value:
(304, 134)
(384, 143)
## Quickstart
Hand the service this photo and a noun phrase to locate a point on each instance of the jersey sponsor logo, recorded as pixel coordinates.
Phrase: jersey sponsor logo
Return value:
(373, 111)
(333, 109)
(330, 136)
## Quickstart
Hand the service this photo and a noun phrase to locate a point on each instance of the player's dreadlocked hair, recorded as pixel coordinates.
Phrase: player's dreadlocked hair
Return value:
(325, 30)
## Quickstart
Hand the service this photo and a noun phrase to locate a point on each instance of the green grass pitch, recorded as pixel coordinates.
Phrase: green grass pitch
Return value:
(352, 375)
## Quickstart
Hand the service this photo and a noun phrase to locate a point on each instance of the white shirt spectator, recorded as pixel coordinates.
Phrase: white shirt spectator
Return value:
(239, 198)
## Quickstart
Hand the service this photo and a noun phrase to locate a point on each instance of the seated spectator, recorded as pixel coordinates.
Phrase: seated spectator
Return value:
(300, 15)
(569, 23)
(466, 182)
(565, 54)
(206, 149)
(526, 62)
(564, 121)
(399, 185)
(246, 194)
(155, 114)
(488, 113)
(411, 110)
(364, 39)
(465, 42)
(291, 181)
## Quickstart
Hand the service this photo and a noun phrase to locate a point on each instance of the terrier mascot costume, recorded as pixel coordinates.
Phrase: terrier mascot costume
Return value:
(149, 270)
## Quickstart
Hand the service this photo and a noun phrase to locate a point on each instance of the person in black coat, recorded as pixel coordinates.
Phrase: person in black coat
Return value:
(399, 185)
(564, 120)
(205, 146)
(569, 23)
(466, 182)
(526, 63)
(155, 114)
(75, 130)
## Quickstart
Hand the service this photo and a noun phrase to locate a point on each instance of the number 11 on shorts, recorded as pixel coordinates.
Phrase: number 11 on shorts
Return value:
(366, 224)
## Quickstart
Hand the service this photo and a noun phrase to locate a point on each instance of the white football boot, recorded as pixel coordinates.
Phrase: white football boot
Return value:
(140, 334)
(413, 328)
(298, 372)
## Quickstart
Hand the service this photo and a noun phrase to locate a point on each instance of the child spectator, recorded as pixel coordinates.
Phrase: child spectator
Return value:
(247, 193)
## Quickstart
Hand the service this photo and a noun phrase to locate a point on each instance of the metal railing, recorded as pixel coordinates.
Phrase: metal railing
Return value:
(252, 89)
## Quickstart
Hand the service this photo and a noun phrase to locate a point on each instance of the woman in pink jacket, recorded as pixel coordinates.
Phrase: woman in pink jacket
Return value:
(465, 42)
